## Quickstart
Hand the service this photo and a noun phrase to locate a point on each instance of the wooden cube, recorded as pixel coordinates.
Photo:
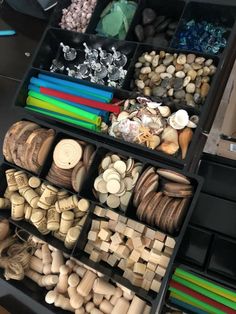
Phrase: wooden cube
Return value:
(104, 224)
(113, 247)
(97, 244)
(95, 225)
(160, 236)
(129, 233)
(122, 264)
(151, 266)
(131, 223)
(129, 263)
(105, 234)
(112, 260)
(146, 284)
(120, 227)
(149, 275)
(137, 242)
(112, 215)
(145, 255)
(158, 245)
(92, 235)
(139, 268)
(89, 247)
(122, 251)
(105, 246)
(170, 242)
(112, 225)
(135, 255)
(95, 255)
(160, 271)
(99, 211)
(147, 242)
(137, 280)
(156, 285)
(128, 274)
(164, 260)
(168, 251)
(155, 256)
(129, 244)
(123, 219)
(149, 233)
(116, 238)
(139, 227)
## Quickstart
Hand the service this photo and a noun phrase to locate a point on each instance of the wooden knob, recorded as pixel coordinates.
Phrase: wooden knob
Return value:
(51, 296)
(76, 301)
(106, 307)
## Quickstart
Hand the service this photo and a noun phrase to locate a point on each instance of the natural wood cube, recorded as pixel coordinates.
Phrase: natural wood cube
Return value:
(95, 255)
(170, 242)
(105, 246)
(149, 275)
(122, 251)
(151, 266)
(137, 280)
(139, 268)
(92, 235)
(89, 247)
(155, 256)
(156, 285)
(99, 211)
(97, 244)
(112, 215)
(95, 225)
(160, 236)
(145, 255)
(128, 274)
(129, 233)
(139, 227)
(116, 238)
(105, 234)
(158, 245)
(123, 219)
(131, 223)
(164, 260)
(135, 255)
(168, 251)
(113, 247)
(137, 242)
(147, 242)
(112, 225)
(149, 233)
(146, 284)
(112, 260)
(160, 271)
(129, 244)
(122, 264)
(120, 227)
(104, 224)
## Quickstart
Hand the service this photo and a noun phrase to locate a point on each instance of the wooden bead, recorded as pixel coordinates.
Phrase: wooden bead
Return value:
(17, 207)
(57, 261)
(51, 297)
(5, 203)
(89, 306)
(103, 287)
(48, 197)
(66, 204)
(36, 264)
(11, 181)
(86, 284)
(137, 306)
(21, 179)
(30, 196)
(122, 306)
(106, 307)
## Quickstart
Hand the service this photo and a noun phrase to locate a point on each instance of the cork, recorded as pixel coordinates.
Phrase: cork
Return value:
(11, 181)
(66, 204)
(106, 307)
(39, 221)
(4, 229)
(28, 211)
(48, 197)
(34, 182)
(53, 219)
(30, 196)
(5, 203)
(83, 205)
(72, 236)
(67, 219)
(42, 188)
(61, 194)
(86, 284)
(21, 179)
(8, 193)
(17, 207)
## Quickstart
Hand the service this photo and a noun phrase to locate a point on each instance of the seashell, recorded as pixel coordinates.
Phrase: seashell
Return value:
(152, 111)
(194, 119)
(185, 138)
(4, 229)
(154, 141)
(191, 125)
(169, 135)
(111, 129)
(126, 104)
(154, 125)
(123, 115)
(179, 119)
(168, 148)
(133, 114)
(153, 105)
(164, 111)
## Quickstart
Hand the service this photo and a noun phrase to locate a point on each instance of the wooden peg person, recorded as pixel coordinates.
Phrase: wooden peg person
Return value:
(122, 306)
(101, 286)
(57, 261)
(62, 285)
(86, 284)
(106, 307)
(47, 259)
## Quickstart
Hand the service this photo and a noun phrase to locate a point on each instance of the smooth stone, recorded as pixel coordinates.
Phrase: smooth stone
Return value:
(205, 89)
(200, 72)
(206, 71)
(159, 20)
(162, 27)
(178, 67)
(168, 59)
(178, 83)
(149, 16)
(148, 58)
(139, 32)
(146, 70)
(180, 94)
(212, 69)
(160, 69)
(156, 77)
(158, 91)
(173, 25)
(198, 81)
(191, 57)
(165, 75)
(155, 61)
(189, 100)
(187, 67)
(208, 62)
(140, 84)
(170, 92)
(147, 91)
(170, 33)
(200, 60)
(182, 59)
(166, 83)
(149, 31)
(187, 80)
(205, 79)
(170, 69)
(159, 40)
(180, 74)
(196, 66)
(192, 74)
(148, 40)
(138, 65)
(197, 98)
(190, 88)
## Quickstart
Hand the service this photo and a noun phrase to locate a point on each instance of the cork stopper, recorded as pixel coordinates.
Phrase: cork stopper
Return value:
(17, 206)
(11, 181)
(48, 197)
(21, 179)
(34, 182)
(66, 204)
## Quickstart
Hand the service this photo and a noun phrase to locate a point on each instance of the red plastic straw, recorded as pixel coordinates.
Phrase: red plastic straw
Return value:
(201, 297)
(80, 100)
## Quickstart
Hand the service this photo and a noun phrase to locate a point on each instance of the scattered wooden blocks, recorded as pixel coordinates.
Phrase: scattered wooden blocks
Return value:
(156, 285)
(104, 234)
(135, 255)
(137, 242)
(139, 268)
(95, 255)
(170, 242)
(92, 235)
(158, 245)
(116, 238)
(99, 211)
(112, 215)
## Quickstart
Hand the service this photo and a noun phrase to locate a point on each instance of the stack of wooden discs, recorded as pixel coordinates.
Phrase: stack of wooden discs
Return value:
(26, 144)
(116, 180)
(71, 161)
(161, 197)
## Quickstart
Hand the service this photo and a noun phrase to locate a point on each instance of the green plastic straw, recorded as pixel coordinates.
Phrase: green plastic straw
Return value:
(206, 284)
(64, 118)
(84, 115)
(187, 298)
(205, 292)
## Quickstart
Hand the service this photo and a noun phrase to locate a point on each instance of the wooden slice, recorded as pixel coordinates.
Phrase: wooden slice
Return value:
(173, 176)
(45, 146)
(79, 178)
(113, 186)
(89, 153)
(67, 154)
(120, 166)
(113, 201)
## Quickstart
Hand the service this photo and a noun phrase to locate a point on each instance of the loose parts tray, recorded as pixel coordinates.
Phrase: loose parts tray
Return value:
(209, 244)
(49, 49)
(86, 192)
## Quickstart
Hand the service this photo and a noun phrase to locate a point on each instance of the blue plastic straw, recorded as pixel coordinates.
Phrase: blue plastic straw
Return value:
(102, 93)
(7, 33)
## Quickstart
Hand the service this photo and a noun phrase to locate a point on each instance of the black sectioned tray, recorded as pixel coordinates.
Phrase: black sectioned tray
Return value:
(209, 244)
(49, 49)
(86, 192)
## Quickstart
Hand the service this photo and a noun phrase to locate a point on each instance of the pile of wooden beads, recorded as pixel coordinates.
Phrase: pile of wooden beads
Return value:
(140, 252)
(46, 207)
(116, 180)
(71, 161)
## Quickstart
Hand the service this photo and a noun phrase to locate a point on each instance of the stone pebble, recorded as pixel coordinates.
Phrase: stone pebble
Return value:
(77, 15)
(185, 77)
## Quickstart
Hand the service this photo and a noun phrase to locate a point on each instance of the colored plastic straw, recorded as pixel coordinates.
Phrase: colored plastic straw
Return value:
(206, 284)
(80, 100)
(186, 306)
(63, 118)
(60, 107)
(42, 83)
(205, 292)
(89, 90)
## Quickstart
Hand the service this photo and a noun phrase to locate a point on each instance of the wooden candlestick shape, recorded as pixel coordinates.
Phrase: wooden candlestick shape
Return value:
(57, 261)
(86, 284)
(53, 297)
(137, 306)
(103, 287)
(66, 204)
(76, 301)
(122, 306)
(11, 181)
(21, 179)
(71, 264)
(116, 296)
(106, 307)
(73, 280)
(48, 197)
(62, 285)
(47, 259)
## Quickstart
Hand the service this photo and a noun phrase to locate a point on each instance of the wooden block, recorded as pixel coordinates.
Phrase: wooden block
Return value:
(155, 256)
(149, 233)
(113, 247)
(95, 225)
(129, 244)
(140, 249)
(104, 256)
(104, 224)
(120, 227)
(88, 248)
(112, 260)
(92, 235)
(156, 285)
(95, 255)
(146, 284)
(122, 264)
(137, 280)
(168, 251)
(164, 260)
(158, 245)
(147, 242)
(97, 244)
(149, 275)
(112, 215)
(105, 246)
(105, 234)
(137, 242)
(139, 227)
(116, 238)
(160, 271)
(112, 225)
(139, 268)
(160, 236)
(122, 251)
(129, 263)
(128, 274)
(135, 255)
(129, 232)
(99, 211)
(170, 242)
(151, 266)
(145, 255)
(131, 223)
(123, 219)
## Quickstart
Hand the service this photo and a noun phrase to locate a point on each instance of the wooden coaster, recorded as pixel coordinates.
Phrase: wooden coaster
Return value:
(161, 208)
(147, 216)
(173, 176)
(67, 154)
(143, 177)
(143, 205)
(45, 146)
(113, 201)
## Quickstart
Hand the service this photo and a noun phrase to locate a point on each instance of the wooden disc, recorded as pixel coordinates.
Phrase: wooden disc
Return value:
(120, 166)
(77, 176)
(45, 146)
(173, 176)
(113, 186)
(87, 155)
(67, 154)
(113, 201)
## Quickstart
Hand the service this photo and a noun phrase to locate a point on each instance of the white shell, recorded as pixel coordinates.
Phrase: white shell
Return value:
(164, 111)
(123, 115)
(194, 119)
(153, 105)
(179, 119)
(191, 125)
